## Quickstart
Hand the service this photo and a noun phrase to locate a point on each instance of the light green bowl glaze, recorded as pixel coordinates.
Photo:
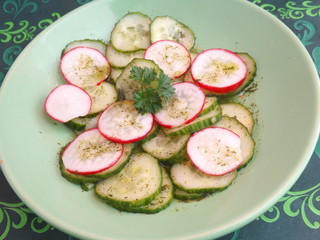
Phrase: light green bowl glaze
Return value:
(287, 99)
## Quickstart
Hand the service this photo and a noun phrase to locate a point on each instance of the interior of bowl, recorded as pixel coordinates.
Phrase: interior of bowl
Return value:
(286, 105)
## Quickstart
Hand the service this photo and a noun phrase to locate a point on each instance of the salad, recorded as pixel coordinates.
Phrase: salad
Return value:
(148, 117)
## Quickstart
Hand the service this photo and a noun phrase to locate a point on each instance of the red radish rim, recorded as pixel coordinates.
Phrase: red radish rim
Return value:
(196, 165)
(47, 98)
(189, 120)
(215, 89)
(72, 49)
(91, 172)
(167, 40)
(118, 140)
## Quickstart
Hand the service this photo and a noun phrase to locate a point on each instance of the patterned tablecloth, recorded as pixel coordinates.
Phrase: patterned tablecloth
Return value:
(295, 216)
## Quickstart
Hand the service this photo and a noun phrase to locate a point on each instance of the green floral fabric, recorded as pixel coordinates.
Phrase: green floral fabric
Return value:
(295, 216)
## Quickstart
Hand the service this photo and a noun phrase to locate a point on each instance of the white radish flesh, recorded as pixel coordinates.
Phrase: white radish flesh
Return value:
(172, 57)
(122, 123)
(185, 105)
(91, 153)
(215, 151)
(84, 66)
(218, 70)
(67, 102)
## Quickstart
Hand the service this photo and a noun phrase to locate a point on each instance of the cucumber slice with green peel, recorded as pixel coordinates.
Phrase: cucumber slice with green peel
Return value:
(92, 123)
(215, 150)
(185, 196)
(172, 57)
(187, 177)
(83, 66)
(247, 142)
(75, 178)
(102, 96)
(115, 73)
(128, 150)
(121, 59)
(90, 153)
(122, 123)
(202, 121)
(131, 32)
(152, 134)
(126, 86)
(252, 71)
(168, 28)
(78, 124)
(87, 186)
(167, 149)
(137, 184)
(91, 43)
(209, 104)
(161, 202)
(184, 106)
(239, 112)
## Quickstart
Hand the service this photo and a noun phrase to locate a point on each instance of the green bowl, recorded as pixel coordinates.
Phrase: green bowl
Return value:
(287, 104)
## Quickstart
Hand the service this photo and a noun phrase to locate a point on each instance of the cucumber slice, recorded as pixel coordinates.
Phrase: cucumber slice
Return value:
(91, 43)
(137, 184)
(121, 59)
(75, 178)
(252, 71)
(122, 123)
(131, 32)
(102, 96)
(187, 177)
(127, 86)
(87, 186)
(115, 73)
(92, 123)
(202, 121)
(239, 112)
(152, 134)
(78, 124)
(209, 104)
(247, 142)
(185, 196)
(161, 202)
(167, 149)
(168, 28)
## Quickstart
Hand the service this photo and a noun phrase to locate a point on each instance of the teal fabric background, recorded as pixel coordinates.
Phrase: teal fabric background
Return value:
(295, 216)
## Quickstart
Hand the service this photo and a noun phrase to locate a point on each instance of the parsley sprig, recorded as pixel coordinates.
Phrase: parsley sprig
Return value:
(155, 89)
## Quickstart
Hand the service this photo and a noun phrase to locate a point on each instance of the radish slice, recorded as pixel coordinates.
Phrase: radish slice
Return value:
(122, 123)
(91, 153)
(184, 107)
(215, 151)
(172, 57)
(84, 66)
(67, 102)
(218, 70)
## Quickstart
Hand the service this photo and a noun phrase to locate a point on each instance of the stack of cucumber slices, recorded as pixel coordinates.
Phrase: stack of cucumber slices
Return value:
(188, 150)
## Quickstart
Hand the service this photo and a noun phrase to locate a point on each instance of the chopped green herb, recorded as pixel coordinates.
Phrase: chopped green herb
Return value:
(155, 89)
